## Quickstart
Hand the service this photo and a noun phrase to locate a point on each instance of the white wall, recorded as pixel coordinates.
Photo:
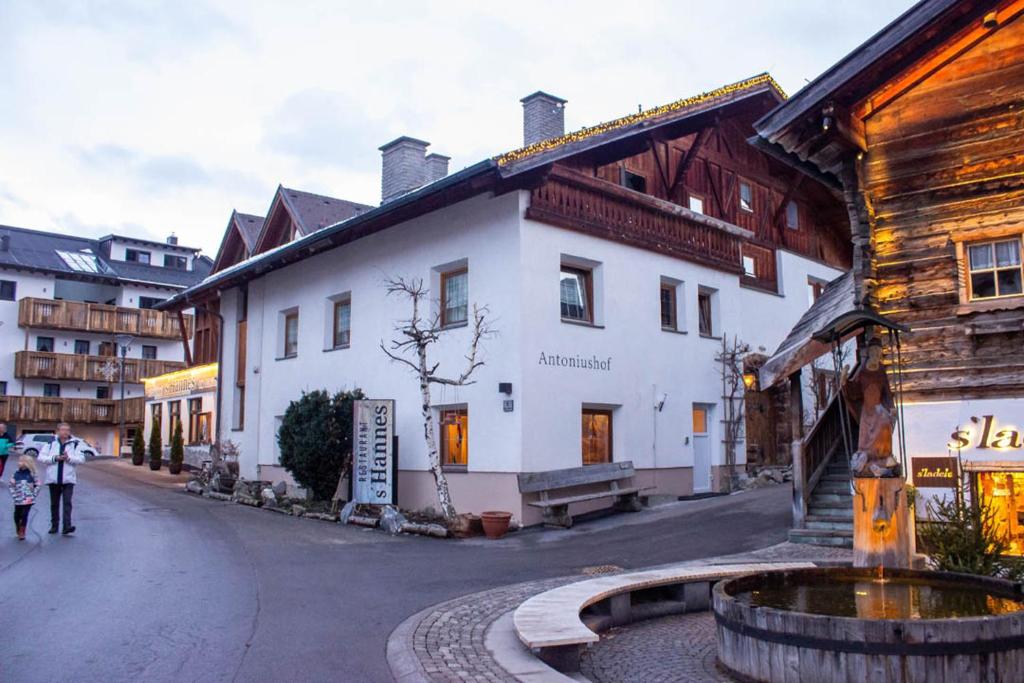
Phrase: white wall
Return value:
(156, 251)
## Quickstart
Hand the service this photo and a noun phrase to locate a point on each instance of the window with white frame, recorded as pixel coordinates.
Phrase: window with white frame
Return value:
(288, 346)
(994, 269)
(670, 298)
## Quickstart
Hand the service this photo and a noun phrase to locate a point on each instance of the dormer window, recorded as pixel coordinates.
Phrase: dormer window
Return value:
(175, 262)
(633, 181)
(137, 256)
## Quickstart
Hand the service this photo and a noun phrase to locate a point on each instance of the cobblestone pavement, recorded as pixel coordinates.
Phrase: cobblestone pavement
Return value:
(679, 648)
(448, 640)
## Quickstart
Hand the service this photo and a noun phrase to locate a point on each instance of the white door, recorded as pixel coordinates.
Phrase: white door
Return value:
(701, 448)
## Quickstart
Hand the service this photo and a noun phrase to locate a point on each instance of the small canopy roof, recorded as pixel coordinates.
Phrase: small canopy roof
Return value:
(835, 316)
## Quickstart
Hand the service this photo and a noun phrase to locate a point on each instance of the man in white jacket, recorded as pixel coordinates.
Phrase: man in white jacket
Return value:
(60, 456)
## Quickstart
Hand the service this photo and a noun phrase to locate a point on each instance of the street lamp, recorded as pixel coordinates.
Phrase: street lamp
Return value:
(123, 341)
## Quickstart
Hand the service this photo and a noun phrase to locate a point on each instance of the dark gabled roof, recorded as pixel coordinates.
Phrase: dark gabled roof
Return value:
(891, 43)
(483, 176)
(249, 227)
(315, 211)
(36, 250)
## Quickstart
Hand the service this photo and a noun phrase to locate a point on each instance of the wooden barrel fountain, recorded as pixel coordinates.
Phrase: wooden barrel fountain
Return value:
(841, 624)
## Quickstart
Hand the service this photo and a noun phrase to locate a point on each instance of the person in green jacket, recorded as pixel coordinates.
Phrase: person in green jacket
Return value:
(6, 442)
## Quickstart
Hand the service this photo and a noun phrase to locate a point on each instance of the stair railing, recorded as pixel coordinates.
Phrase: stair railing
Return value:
(817, 450)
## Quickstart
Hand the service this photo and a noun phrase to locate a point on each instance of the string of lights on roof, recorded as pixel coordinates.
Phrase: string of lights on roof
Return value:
(684, 103)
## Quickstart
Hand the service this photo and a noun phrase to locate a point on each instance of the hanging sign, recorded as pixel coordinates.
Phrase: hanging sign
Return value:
(937, 472)
(374, 460)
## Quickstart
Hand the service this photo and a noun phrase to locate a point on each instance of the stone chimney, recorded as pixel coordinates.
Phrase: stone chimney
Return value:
(5, 242)
(543, 117)
(437, 166)
(172, 239)
(404, 167)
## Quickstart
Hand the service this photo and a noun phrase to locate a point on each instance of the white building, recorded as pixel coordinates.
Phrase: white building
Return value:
(610, 286)
(64, 301)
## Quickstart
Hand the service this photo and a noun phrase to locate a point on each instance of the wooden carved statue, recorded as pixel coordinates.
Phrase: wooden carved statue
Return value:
(869, 387)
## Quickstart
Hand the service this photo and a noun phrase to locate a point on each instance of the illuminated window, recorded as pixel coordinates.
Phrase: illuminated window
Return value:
(596, 436)
(1004, 493)
(995, 269)
(455, 436)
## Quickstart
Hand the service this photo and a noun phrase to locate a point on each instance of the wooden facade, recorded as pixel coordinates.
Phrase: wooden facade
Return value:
(634, 196)
(944, 169)
(57, 314)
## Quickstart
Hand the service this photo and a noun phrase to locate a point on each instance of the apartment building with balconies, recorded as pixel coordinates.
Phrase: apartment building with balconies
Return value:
(76, 317)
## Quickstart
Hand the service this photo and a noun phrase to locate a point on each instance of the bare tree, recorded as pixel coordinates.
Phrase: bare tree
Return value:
(730, 360)
(415, 336)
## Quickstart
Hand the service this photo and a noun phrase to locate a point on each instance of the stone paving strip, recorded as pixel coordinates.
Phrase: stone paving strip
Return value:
(448, 642)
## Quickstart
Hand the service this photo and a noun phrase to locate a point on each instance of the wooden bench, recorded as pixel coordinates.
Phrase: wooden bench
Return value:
(550, 623)
(556, 508)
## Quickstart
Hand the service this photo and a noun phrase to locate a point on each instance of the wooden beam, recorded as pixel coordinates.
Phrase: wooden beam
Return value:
(687, 159)
(714, 189)
(662, 174)
(786, 198)
(184, 338)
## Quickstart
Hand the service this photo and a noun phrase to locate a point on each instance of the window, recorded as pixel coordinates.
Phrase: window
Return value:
(576, 294)
(793, 215)
(148, 352)
(51, 390)
(454, 297)
(291, 334)
(700, 419)
(995, 269)
(175, 262)
(44, 344)
(3, 388)
(82, 347)
(455, 436)
(8, 289)
(749, 266)
(814, 289)
(195, 409)
(633, 181)
(149, 301)
(669, 320)
(137, 256)
(103, 392)
(83, 261)
(342, 326)
(174, 413)
(706, 312)
(746, 197)
(156, 412)
(597, 436)
(696, 203)
(107, 349)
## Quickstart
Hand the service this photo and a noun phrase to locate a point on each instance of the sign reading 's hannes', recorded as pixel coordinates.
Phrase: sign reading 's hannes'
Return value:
(374, 468)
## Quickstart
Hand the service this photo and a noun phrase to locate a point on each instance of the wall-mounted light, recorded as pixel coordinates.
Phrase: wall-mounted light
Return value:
(505, 388)
(661, 402)
(750, 380)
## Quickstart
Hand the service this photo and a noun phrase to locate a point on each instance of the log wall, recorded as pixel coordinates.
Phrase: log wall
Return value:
(945, 163)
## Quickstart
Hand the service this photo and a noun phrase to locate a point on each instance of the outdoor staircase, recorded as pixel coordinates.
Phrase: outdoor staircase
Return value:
(829, 518)
(822, 494)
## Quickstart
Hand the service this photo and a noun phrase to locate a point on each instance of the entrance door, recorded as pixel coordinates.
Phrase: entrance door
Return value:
(701, 448)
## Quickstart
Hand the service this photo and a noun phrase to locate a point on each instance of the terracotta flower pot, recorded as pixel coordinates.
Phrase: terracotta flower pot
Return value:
(495, 523)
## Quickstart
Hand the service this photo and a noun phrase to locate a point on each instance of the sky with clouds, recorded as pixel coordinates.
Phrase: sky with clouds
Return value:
(159, 116)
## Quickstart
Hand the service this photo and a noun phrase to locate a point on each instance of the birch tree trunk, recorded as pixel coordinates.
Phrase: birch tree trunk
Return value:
(444, 496)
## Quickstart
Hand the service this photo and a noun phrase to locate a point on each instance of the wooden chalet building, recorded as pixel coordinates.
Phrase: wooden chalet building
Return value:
(922, 128)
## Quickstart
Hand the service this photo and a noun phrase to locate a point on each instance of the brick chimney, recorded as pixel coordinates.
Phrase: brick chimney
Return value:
(404, 167)
(437, 166)
(172, 239)
(543, 117)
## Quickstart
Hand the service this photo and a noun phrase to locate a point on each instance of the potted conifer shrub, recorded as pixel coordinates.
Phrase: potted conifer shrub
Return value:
(177, 449)
(138, 449)
(156, 447)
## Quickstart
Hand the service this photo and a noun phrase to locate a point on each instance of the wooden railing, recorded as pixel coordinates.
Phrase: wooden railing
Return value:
(826, 440)
(101, 318)
(572, 200)
(73, 410)
(45, 365)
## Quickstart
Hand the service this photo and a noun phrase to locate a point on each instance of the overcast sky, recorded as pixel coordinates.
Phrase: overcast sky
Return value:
(155, 116)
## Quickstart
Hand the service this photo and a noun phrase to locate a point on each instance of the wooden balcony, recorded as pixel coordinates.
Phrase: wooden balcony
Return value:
(572, 200)
(44, 365)
(53, 314)
(72, 410)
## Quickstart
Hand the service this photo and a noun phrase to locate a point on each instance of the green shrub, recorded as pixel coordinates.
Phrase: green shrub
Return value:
(177, 449)
(156, 447)
(963, 536)
(315, 439)
(138, 448)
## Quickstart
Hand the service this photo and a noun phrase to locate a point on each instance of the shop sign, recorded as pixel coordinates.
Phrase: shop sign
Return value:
(985, 432)
(374, 457)
(936, 472)
(182, 382)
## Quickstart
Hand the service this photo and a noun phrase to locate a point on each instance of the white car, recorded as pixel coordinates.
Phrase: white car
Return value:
(31, 444)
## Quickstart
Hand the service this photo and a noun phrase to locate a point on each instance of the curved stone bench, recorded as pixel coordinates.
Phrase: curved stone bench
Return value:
(550, 623)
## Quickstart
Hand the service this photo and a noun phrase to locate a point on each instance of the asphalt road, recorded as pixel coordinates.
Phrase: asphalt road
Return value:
(159, 585)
